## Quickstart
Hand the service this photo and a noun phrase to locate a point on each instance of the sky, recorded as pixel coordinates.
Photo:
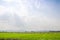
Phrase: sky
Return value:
(31, 15)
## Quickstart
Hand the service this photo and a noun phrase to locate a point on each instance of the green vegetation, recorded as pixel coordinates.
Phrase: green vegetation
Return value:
(31, 35)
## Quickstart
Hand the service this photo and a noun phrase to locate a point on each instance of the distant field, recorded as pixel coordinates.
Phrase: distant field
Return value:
(30, 36)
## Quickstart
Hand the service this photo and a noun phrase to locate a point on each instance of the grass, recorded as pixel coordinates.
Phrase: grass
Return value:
(31, 35)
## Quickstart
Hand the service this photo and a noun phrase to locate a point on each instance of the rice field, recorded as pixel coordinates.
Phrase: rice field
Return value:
(30, 36)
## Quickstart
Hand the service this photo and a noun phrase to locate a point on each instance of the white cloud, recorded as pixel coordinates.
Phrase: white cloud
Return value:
(2, 9)
(6, 27)
(8, 0)
(35, 17)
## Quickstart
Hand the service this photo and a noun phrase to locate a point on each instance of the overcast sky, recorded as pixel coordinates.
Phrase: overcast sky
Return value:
(35, 15)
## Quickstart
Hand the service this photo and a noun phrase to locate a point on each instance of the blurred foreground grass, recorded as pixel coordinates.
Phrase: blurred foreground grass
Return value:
(30, 35)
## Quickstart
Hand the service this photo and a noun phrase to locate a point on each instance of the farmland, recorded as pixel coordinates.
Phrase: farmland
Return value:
(29, 35)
